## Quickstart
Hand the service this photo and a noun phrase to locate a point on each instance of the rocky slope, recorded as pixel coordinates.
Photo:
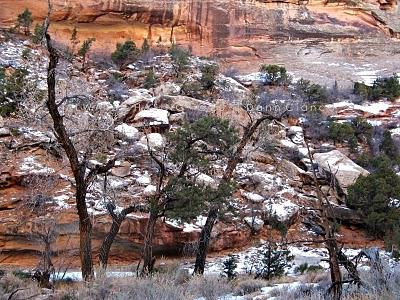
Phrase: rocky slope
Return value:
(36, 186)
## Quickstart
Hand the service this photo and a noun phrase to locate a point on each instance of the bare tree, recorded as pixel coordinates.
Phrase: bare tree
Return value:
(79, 163)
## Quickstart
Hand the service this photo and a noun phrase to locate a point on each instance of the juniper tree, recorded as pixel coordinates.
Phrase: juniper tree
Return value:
(74, 40)
(275, 75)
(271, 261)
(38, 33)
(181, 193)
(180, 59)
(209, 73)
(229, 267)
(25, 20)
(125, 54)
(84, 50)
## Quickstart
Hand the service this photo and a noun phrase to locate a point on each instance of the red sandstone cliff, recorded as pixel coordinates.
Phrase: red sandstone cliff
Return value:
(211, 27)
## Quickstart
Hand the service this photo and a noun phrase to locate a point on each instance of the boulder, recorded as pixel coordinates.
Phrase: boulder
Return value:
(152, 117)
(232, 91)
(139, 100)
(154, 140)
(344, 215)
(255, 223)
(121, 170)
(235, 114)
(127, 132)
(168, 88)
(4, 132)
(335, 163)
(255, 198)
(295, 134)
(182, 104)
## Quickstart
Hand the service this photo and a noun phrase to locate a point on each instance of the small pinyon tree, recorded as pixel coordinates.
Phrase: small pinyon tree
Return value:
(271, 261)
(274, 75)
(229, 267)
(24, 21)
(85, 48)
(125, 54)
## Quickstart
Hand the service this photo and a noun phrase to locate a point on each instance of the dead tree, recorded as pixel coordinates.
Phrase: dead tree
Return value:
(117, 219)
(78, 163)
(205, 234)
(329, 235)
(45, 231)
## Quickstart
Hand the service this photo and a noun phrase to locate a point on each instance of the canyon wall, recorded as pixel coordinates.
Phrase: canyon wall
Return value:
(219, 27)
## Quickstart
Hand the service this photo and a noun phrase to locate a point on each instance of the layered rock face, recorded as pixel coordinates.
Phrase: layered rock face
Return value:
(211, 27)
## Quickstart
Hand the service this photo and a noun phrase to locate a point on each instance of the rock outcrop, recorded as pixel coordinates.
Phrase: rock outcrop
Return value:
(222, 26)
(343, 169)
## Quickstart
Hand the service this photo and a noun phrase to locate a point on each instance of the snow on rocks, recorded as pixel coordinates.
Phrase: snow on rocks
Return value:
(295, 134)
(254, 223)
(31, 165)
(139, 99)
(205, 180)
(152, 140)
(152, 117)
(127, 131)
(347, 110)
(255, 198)
(343, 168)
(150, 190)
(168, 88)
(32, 134)
(284, 210)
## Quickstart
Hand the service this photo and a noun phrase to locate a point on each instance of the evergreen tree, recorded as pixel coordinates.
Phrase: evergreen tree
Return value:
(271, 261)
(74, 40)
(373, 195)
(180, 59)
(209, 73)
(125, 54)
(388, 146)
(85, 48)
(38, 33)
(150, 80)
(275, 75)
(312, 92)
(145, 46)
(229, 267)
(24, 21)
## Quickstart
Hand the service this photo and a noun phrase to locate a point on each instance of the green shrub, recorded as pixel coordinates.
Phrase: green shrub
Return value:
(24, 21)
(209, 73)
(372, 196)
(388, 147)
(312, 92)
(26, 53)
(229, 267)
(271, 261)
(38, 33)
(125, 54)
(180, 59)
(340, 132)
(13, 88)
(384, 87)
(150, 80)
(275, 75)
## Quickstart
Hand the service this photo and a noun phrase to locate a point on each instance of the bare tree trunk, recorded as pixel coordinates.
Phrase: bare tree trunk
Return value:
(107, 243)
(148, 260)
(109, 239)
(331, 244)
(204, 241)
(78, 169)
(205, 234)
